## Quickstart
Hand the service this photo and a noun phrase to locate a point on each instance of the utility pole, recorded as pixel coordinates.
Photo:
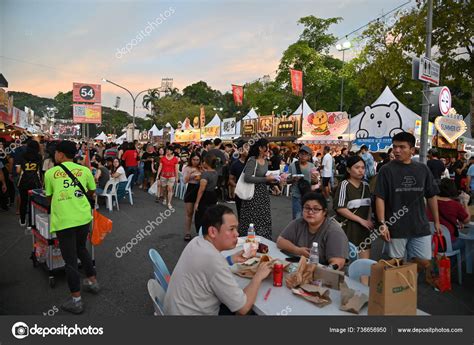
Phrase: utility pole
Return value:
(425, 110)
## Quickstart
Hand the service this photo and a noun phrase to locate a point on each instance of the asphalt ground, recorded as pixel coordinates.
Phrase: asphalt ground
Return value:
(24, 289)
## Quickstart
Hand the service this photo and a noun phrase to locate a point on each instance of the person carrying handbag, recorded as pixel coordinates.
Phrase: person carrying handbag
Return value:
(67, 186)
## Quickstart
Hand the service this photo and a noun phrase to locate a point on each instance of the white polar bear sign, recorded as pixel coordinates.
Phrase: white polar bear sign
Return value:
(378, 124)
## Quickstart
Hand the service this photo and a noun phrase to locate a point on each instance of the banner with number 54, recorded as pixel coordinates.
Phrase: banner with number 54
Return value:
(89, 93)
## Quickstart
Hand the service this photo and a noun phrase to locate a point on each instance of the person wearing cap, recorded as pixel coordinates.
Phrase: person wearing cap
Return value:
(70, 220)
(305, 167)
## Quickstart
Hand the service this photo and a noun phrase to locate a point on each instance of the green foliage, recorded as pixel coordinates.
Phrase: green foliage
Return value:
(201, 93)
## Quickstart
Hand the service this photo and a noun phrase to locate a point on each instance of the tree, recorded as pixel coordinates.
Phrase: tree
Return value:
(149, 100)
(315, 32)
(201, 93)
(63, 102)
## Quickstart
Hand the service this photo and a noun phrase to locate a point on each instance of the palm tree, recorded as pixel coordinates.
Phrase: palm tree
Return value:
(150, 98)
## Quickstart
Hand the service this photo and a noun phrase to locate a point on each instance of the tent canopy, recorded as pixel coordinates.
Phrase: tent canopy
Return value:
(155, 132)
(216, 121)
(252, 114)
(304, 109)
(101, 136)
(121, 139)
(379, 122)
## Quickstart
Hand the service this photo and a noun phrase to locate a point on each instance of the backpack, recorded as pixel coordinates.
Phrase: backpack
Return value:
(303, 185)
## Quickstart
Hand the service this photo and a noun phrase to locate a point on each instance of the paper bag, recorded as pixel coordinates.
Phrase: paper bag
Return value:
(351, 302)
(314, 294)
(330, 278)
(249, 271)
(393, 288)
(304, 274)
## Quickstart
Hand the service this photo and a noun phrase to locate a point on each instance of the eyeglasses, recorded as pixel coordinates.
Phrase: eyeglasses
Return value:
(312, 210)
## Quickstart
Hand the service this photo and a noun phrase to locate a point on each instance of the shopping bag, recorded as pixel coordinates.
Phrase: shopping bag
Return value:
(154, 187)
(441, 272)
(393, 288)
(101, 226)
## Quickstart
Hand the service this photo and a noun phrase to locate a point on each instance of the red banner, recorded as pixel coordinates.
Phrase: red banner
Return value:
(89, 93)
(297, 82)
(238, 92)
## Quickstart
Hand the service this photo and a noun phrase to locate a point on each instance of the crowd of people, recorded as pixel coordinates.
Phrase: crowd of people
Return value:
(336, 198)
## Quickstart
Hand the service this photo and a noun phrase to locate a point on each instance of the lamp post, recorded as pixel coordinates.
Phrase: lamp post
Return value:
(134, 99)
(343, 47)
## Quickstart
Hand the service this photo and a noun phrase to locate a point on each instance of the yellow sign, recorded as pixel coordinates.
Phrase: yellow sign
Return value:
(187, 135)
(211, 132)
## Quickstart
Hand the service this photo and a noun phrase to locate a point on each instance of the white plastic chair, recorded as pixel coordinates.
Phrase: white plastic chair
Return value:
(360, 267)
(157, 294)
(288, 187)
(449, 249)
(180, 187)
(128, 189)
(107, 194)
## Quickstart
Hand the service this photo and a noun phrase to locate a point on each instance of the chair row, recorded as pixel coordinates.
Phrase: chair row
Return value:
(110, 194)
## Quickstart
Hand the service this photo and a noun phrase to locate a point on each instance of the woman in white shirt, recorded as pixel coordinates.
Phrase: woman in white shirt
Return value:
(118, 176)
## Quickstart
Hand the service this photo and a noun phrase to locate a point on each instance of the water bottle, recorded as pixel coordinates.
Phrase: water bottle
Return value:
(314, 254)
(251, 233)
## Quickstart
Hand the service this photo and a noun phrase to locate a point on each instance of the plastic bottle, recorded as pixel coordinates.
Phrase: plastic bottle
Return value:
(251, 233)
(314, 254)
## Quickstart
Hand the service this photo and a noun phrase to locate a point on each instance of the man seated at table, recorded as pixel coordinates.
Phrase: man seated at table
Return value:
(315, 226)
(202, 278)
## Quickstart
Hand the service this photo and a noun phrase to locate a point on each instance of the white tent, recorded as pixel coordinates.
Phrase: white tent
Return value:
(171, 127)
(121, 139)
(216, 121)
(304, 109)
(379, 122)
(155, 132)
(252, 114)
(102, 136)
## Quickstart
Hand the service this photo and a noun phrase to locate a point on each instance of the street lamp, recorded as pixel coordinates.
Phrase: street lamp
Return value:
(343, 47)
(134, 99)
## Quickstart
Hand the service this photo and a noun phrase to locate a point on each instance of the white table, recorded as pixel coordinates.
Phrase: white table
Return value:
(282, 301)
(468, 238)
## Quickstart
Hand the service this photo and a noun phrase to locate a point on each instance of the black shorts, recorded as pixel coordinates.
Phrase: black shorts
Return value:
(191, 193)
(326, 181)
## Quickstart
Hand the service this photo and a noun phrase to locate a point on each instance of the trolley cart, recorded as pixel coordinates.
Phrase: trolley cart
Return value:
(45, 244)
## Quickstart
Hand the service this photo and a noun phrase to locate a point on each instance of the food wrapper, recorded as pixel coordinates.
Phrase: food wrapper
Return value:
(314, 294)
(250, 267)
(329, 277)
(304, 274)
(351, 302)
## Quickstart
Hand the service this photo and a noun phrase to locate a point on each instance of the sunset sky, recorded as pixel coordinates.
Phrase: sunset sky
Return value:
(45, 46)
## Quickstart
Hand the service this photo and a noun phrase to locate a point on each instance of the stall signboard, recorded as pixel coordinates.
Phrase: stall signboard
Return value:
(211, 132)
(450, 127)
(86, 93)
(228, 126)
(6, 113)
(87, 113)
(287, 126)
(324, 126)
(441, 142)
(431, 128)
(249, 127)
(187, 135)
(265, 125)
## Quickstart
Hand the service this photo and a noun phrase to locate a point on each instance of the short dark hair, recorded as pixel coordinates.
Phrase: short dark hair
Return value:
(447, 188)
(316, 197)
(68, 148)
(207, 142)
(351, 161)
(405, 137)
(214, 216)
(217, 141)
(327, 148)
(210, 160)
(364, 147)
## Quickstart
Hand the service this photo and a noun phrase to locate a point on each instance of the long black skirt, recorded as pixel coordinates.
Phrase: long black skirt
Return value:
(257, 211)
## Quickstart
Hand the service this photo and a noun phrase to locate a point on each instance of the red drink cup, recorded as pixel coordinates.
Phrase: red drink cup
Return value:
(277, 274)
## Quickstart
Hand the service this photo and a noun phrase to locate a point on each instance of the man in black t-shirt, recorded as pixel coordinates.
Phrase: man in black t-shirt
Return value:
(460, 171)
(436, 166)
(402, 186)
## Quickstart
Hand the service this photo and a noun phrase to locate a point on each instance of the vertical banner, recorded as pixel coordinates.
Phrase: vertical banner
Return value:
(202, 117)
(297, 82)
(238, 92)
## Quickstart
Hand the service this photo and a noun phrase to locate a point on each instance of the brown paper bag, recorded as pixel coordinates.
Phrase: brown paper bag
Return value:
(314, 294)
(330, 278)
(350, 301)
(245, 271)
(393, 288)
(304, 274)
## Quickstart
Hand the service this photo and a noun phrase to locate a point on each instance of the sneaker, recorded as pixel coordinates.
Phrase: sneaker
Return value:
(22, 223)
(73, 307)
(91, 287)
(170, 207)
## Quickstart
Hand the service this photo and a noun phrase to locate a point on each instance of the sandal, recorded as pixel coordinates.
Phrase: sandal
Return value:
(188, 237)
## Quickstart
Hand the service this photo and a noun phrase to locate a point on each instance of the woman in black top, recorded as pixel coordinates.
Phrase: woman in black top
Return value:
(29, 171)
